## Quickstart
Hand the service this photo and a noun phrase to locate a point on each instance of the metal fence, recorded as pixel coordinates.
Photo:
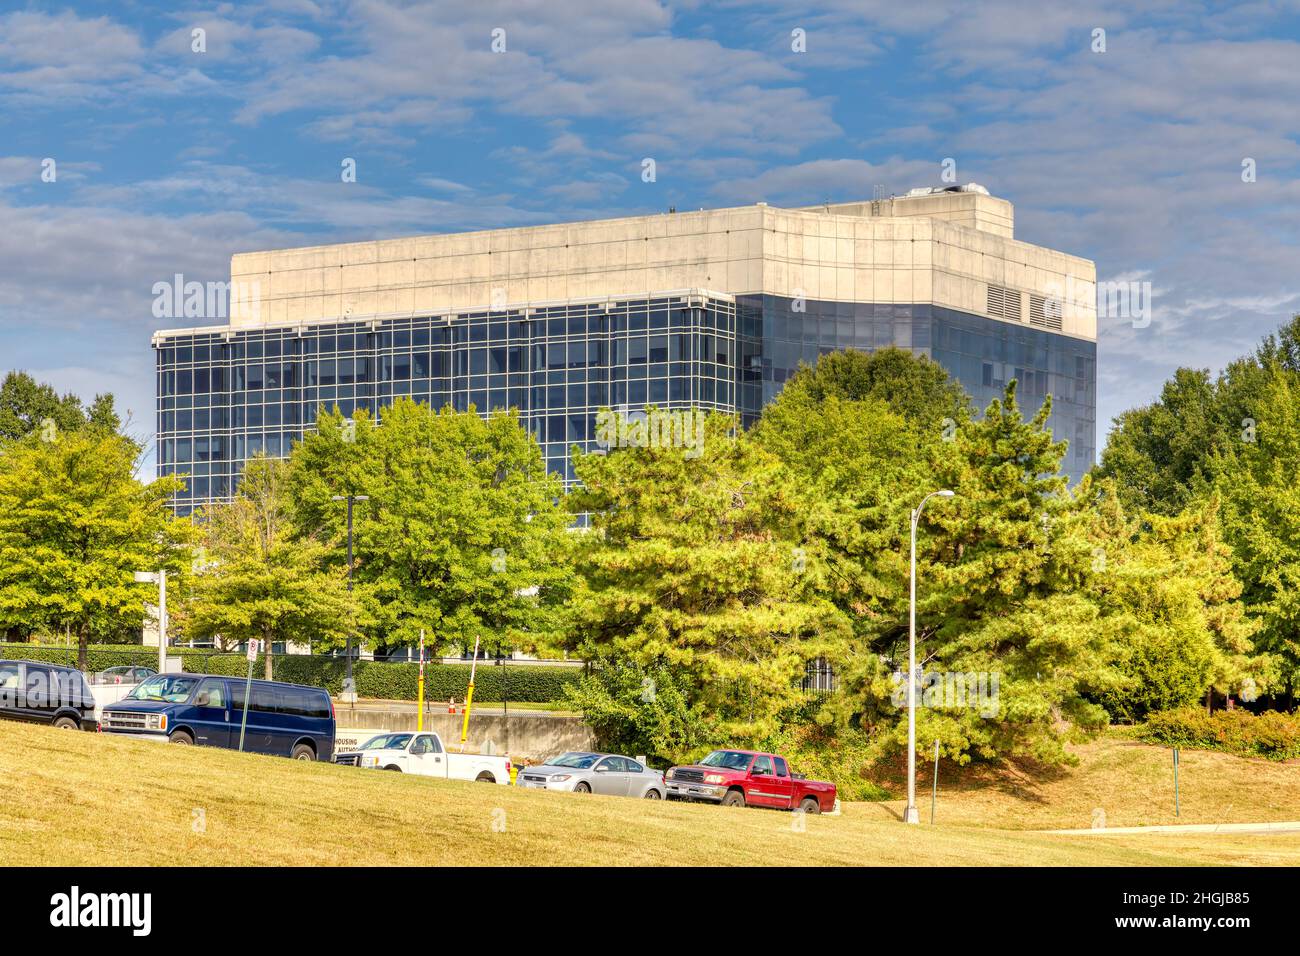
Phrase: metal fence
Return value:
(819, 678)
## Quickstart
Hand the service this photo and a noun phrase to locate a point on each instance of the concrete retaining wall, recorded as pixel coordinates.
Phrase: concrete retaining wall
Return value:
(530, 737)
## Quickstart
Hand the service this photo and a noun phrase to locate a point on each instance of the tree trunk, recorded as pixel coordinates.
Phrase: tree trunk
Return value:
(1209, 704)
(81, 651)
(266, 651)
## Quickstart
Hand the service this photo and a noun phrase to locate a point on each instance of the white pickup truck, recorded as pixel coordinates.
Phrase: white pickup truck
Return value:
(423, 753)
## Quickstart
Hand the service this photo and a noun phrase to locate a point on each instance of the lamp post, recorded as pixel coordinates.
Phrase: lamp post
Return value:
(349, 689)
(159, 578)
(910, 814)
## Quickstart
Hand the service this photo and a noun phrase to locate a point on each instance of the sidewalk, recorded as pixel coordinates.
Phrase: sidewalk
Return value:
(1290, 827)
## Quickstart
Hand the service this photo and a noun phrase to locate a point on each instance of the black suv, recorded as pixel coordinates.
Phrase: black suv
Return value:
(46, 694)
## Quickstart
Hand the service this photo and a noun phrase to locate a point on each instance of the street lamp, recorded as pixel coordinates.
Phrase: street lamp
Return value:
(349, 689)
(159, 578)
(911, 815)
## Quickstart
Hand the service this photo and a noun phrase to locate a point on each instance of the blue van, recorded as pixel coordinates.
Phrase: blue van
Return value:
(286, 719)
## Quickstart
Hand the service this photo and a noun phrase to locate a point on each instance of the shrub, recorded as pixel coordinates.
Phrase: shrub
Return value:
(1164, 669)
(533, 683)
(1273, 735)
(638, 710)
(842, 757)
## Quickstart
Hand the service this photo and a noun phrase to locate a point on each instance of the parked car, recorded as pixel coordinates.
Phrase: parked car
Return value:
(583, 772)
(290, 720)
(123, 674)
(43, 693)
(423, 753)
(737, 778)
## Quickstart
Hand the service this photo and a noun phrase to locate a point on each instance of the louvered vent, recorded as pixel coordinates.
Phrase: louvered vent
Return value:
(1044, 313)
(1004, 303)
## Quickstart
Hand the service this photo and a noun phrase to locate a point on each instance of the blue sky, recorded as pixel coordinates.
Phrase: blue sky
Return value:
(169, 160)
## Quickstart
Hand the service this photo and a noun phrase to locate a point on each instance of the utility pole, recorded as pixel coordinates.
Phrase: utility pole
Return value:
(349, 686)
(159, 578)
(911, 814)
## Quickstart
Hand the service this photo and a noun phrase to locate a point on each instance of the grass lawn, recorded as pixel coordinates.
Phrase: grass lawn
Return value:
(95, 799)
(1132, 783)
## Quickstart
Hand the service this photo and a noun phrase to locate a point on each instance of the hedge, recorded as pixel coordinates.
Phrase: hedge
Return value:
(393, 681)
(1273, 735)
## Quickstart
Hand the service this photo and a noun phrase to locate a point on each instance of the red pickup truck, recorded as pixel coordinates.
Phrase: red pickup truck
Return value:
(736, 778)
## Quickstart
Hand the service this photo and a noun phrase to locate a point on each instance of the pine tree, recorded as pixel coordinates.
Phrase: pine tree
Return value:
(693, 565)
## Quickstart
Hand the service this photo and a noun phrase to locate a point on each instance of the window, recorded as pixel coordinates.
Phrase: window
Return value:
(295, 700)
(423, 745)
(610, 764)
(634, 767)
(727, 759)
(781, 770)
(762, 765)
(40, 686)
(212, 693)
(264, 699)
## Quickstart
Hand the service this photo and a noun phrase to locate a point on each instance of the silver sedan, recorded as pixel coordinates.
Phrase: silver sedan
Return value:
(585, 772)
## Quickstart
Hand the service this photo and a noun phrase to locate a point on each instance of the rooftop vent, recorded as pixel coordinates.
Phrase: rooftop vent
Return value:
(935, 190)
(1004, 303)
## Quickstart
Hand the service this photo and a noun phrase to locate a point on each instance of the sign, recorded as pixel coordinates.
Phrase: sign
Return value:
(252, 650)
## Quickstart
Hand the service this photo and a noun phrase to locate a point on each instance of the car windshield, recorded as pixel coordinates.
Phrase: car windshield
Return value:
(166, 687)
(578, 761)
(727, 759)
(387, 742)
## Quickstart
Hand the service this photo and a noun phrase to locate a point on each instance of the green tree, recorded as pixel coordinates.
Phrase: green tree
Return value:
(463, 534)
(1165, 455)
(913, 386)
(75, 525)
(692, 565)
(856, 451)
(639, 710)
(259, 580)
(1261, 516)
(1166, 587)
(1002, 610)
(26, 407)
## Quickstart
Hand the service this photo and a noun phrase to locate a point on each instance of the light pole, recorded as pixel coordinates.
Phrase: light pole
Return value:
(159, 578)
(911, 815)
(349, 689)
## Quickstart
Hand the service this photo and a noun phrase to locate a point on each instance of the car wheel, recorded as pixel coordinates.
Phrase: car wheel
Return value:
(303, 752)
(65, 723)
(810, 805)
(393, 767)
(485, 777)
(734, 798)
(181, 737)
(653, 794)
(582, 788)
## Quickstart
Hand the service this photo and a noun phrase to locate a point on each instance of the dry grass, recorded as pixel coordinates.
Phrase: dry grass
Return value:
(84, 799)
(1131, 782)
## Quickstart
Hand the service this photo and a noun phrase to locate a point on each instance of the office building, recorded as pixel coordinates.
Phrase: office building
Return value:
(712, 309)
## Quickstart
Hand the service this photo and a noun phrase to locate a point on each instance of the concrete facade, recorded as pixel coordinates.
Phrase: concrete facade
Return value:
(946, 250)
